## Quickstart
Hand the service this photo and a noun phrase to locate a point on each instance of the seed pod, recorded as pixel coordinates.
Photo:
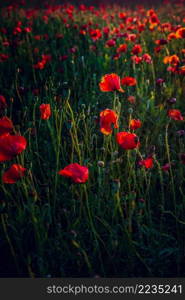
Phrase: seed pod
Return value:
(171, 100)
(101, 164)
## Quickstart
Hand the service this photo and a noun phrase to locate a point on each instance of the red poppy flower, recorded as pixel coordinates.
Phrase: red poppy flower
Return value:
(40, 65)
(175, 69)
(6, 125)
(175, 114)
(129, 81)
(182, 70)
(78, 173)
(157, 49)
(122, 48)
(3, 104)
(110, 43)
(147, 58)
(116, 56)
(106, 31)
(122, 15)
(110, 83)
(161, 42)
(95, 34)
(148, 163)
(154, 19)
(11, 145)
(17, 30)
(38, 37)
(172, 36)
(45, 110)
(3, 57)
(136, 59)
(180, 33)
(46, 58)
(13, 174)
(166, 167)
(137, 49)
(172, 60)
(135, 124)
(131, 37)
(127, 140)
(27, 29)
(141, 27)
(107, 118)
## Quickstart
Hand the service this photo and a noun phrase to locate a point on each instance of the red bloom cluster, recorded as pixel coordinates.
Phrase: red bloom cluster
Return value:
(41, 64)
(10, 147)
(112, 82)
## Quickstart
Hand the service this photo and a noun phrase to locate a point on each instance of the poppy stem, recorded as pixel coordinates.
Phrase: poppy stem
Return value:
(73, 131)
(173, 187)
(16, 87)
(170, 164)
(31, 58)
(162, 195)
(9, 242)
(114, 101)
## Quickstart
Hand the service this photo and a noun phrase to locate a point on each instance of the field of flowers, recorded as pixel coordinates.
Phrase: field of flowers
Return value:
(92, 140)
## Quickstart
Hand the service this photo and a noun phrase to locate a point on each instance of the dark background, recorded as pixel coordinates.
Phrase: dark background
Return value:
(41, 3)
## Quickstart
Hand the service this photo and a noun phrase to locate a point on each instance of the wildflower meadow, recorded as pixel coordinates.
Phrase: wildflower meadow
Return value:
(92, 139)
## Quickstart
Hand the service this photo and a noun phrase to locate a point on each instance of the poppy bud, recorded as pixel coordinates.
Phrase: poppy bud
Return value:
(166, 167)
(172, 101)
(160, 81)
(181, 133)
(130, 110)
(101, 164)
(73, 232)
(131, 99)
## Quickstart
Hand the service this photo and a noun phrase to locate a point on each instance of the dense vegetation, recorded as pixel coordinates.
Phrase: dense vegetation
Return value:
(103, 88)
